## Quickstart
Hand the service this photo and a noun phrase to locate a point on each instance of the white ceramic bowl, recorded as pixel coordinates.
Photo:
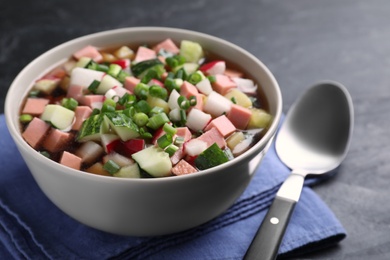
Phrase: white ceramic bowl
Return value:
(142, 207)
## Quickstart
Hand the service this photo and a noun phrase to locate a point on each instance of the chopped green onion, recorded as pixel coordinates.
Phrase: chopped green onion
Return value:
(183, 116)
(157, 120)
(150, 74)
(179, 82)
(172, 62)
(114, 70)
(95, 111)
(192, 101)
(34, 93)
(159, 92)
(169, 129)
(130, 112)
(195, 78)
(211, 78)
(122, 76)
(98, 67)
(145, 134)
(69, 103)
(170, 75)
(171, 149)
(181, 74)
(25, 118)
(179, 140)
(126, 98)
(141, 90)
(180, 59)
(45, 153)
(93, 86)
(164, 140)
(233, 99)
(111, 166)
(156, 110)
(140, 119)
(142, 106)
(170, 84)
(183, 102)
(109, 105)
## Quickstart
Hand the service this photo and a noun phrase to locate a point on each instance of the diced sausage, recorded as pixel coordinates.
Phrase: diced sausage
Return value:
(223, 125)
(35, 106)
(184, 132)
(144, 53)
(213, 136)
(56, 140)
(70, 160)
(223, 84)
(239, 116)
(131, 82)
(187, 90)
(168, 45)
(35, 132)
(81, 113)
(90, 52)
(183, 167)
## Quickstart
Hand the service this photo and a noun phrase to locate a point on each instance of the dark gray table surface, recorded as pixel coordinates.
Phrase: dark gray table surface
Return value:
(301, 41)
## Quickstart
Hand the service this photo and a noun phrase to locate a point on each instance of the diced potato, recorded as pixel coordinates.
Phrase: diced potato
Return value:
(240, 98)
(259, 118)
(124, 52)
(234, 139)
(158, 102)
(108, 57)
(98, 169)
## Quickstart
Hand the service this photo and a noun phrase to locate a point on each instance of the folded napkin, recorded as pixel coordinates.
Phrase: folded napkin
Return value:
(32, 227)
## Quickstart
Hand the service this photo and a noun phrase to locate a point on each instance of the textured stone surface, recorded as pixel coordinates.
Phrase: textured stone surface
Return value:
(301, 41)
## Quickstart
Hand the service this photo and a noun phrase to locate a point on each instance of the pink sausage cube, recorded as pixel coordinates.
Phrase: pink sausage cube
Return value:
(144, 53)
(35, 132)
(130, 83)
(81, 113)
(233, 73)
(213, 136)
(239, 116)
(188, 90)
(223, 125)
(90, 52)
(56, 140)
(70, 160)
(92, 100)
(223, 84)
(184, 132)
(177, 156)
(35, 106)
(199, 101)
(76, 92)
(168, 45)
(182, 168)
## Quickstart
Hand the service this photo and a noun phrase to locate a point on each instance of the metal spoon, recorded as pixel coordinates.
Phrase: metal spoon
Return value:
(313, 139)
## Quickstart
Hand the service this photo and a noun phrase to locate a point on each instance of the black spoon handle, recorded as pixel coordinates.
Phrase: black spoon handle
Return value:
(267, 240)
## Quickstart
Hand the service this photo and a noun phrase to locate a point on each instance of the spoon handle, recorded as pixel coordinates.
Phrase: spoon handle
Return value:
(267, 240)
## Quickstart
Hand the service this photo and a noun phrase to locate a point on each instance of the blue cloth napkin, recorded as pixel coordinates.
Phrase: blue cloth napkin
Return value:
(31, 227)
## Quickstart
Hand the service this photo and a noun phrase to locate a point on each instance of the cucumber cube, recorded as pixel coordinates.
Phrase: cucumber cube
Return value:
(58, 116)
(154, 161)
(211, 157)
(191, 51)
(91, 129)
(122, 125)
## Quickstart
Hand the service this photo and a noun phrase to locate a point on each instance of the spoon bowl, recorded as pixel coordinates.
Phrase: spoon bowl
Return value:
(314, 139)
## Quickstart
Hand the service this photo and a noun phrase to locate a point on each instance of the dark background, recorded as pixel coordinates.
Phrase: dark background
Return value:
(301, 41)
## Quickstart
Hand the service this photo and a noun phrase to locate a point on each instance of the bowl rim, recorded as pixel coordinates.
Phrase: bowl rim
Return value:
(15, 133)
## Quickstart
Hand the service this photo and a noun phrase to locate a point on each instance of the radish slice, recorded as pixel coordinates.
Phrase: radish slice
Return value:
(217, 105)
(214, 67)
(109, 142)
(204, 86)
(246, 85)
(194, 147)
(197, 119)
